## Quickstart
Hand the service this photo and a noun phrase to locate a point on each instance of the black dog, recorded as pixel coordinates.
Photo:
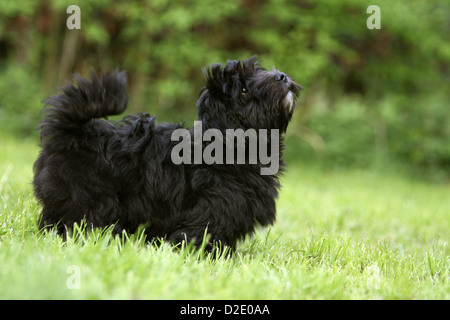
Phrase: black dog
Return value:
(122, 173)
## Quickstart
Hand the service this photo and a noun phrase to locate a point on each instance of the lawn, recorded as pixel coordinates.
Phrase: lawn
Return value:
(343, 234)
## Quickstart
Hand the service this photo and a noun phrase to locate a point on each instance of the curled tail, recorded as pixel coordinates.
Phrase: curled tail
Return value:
(84, 100)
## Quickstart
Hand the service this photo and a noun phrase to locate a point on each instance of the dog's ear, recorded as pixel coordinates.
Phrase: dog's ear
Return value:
(223, 82)
(211, 110)
(214, 101)
(214, 78)
(228, 78)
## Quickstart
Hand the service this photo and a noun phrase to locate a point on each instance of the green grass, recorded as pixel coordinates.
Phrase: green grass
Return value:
(339, 235)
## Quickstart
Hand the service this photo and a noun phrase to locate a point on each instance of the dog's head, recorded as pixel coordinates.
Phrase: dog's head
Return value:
(244, 95)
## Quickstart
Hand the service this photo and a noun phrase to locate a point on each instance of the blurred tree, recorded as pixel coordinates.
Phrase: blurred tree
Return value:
(324, 44)
(163, 43)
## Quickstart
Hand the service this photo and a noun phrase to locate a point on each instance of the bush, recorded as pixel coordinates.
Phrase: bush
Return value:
(382, 88)
(396, 130)
(21, 101)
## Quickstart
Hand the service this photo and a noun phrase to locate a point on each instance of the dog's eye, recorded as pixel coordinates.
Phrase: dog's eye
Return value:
(244, 90)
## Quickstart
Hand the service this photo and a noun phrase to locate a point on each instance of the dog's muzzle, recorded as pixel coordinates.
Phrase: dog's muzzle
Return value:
(288, 101)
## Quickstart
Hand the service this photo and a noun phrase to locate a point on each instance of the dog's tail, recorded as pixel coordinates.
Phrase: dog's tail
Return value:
(83, 101)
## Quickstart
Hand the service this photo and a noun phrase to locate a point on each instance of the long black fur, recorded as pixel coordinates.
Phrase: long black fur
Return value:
(122, 174)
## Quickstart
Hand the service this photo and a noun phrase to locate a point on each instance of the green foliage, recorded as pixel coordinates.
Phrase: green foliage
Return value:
(395, 78)
(420, 134)
(396, 131)
(21, 101)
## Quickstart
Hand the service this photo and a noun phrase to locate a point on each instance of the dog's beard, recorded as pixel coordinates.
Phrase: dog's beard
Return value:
(289, 101)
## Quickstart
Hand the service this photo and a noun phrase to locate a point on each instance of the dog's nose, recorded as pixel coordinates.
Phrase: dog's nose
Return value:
(281, 77)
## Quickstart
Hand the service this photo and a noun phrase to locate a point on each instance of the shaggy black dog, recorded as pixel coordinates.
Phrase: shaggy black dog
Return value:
(123, 173)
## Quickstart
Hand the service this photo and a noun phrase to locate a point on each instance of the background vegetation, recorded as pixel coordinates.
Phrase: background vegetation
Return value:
(369, 94)
(364, 209)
